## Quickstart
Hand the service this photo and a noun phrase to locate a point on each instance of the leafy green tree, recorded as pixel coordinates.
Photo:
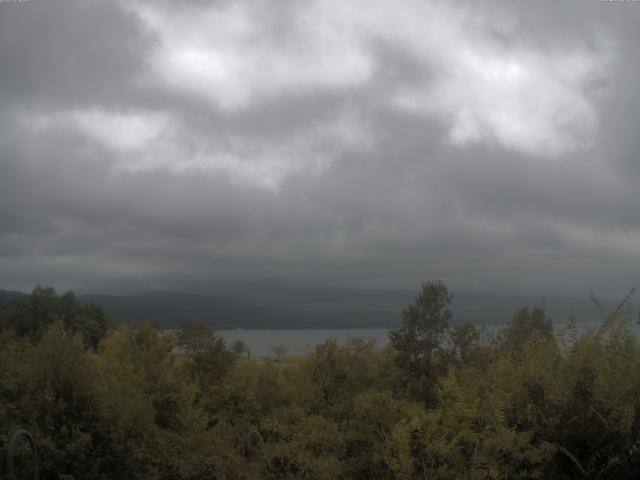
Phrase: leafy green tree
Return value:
(31, 315)
(465, 338)
(236, 407)
(207, 358)
(420, 339)
(89, 320)
(239, 347)
(333, 375)
(52, 389)
(300, 446)
(279, 351)
(194, 336)
(150, 417)
(369, 443)
(527, 323)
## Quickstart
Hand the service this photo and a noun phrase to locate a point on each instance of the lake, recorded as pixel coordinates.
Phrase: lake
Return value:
(298, 342)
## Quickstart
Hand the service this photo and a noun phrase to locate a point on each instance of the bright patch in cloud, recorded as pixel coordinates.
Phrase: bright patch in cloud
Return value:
(228, 53)
(122, 132)
(522, 96)
(144, 141)
(257, 161)
(523, 104)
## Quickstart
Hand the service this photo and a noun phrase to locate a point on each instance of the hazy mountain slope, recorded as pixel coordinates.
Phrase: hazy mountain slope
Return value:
(323, 308)
(171, 308)
(7, 295)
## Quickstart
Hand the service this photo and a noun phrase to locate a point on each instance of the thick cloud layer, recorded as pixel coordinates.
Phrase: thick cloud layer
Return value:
(368, 143)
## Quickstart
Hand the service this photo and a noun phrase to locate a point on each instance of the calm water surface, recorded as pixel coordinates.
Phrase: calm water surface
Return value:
(298, 342)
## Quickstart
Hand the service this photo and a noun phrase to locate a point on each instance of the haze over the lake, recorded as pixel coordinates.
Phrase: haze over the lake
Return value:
(324, 143)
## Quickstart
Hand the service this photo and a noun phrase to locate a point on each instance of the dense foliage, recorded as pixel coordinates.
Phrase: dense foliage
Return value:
(438, 403)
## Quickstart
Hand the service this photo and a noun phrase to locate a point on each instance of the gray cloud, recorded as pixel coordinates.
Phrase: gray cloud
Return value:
(492, 145)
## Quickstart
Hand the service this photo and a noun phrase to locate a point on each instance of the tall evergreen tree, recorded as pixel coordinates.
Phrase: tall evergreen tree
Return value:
(420, 338)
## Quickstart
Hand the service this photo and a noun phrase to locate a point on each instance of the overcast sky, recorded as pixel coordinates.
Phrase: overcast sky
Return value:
(364, 143)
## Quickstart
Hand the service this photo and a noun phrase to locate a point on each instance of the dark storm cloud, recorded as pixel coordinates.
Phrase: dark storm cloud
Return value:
(491, 145)
(66, 53)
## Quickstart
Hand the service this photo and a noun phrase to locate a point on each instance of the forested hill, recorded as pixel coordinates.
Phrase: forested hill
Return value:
(6, 295)
(168, 309)
(322, 308)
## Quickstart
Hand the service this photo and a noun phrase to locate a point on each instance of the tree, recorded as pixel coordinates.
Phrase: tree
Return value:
(31, 315)
(420, 338)
(279, 351)
(300, 446)
(526, 324)
(89, 320)
(239, 347)
(332, 375)
(207, 357)
(194, 336)
(465, 338)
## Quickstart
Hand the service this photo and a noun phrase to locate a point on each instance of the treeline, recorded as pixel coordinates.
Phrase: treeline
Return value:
(437, 403)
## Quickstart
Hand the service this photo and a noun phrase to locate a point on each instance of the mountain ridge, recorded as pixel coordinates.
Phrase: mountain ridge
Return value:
(331, 309)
